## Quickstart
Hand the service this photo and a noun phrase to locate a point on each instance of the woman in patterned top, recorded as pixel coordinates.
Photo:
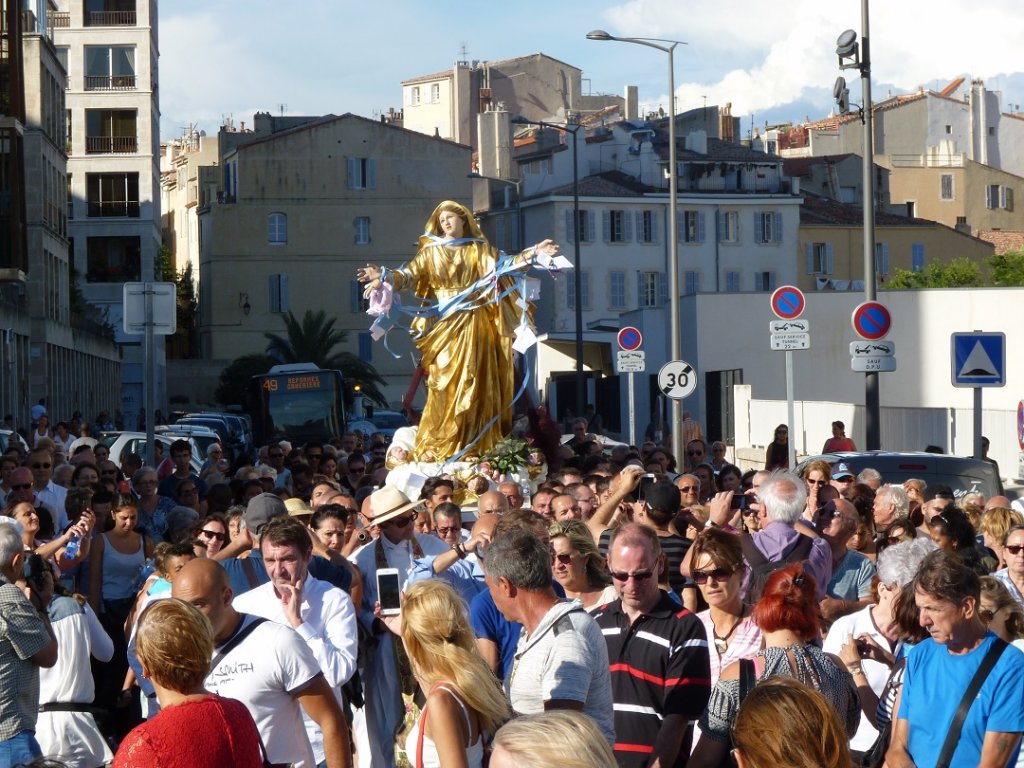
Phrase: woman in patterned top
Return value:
(788, 615)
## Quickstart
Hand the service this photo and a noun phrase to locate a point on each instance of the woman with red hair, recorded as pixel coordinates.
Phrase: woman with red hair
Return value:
(789, 618)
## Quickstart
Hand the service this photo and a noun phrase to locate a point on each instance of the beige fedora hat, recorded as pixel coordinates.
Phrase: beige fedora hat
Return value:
(388, 503)
(297, 507)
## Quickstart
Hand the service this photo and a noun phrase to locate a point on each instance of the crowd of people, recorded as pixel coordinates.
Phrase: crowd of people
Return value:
(626, 609)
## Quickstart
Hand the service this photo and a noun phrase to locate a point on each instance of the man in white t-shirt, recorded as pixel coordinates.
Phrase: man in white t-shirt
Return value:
(321, 614)
(269, 668)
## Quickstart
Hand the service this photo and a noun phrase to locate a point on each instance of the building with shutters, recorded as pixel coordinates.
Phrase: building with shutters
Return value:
(291, 211)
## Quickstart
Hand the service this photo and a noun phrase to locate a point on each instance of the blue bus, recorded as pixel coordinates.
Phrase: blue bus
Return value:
(299, 403)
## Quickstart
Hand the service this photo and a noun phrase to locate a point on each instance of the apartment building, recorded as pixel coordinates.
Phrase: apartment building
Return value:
(109, 50)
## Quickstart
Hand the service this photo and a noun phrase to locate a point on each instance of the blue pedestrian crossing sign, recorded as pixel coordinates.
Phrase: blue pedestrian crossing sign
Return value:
(978, 359)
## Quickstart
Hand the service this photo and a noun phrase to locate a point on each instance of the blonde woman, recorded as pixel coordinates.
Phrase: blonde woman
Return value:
(995, 524)
(577, 565)
(784, 722)
(556, 739)
(463, 698)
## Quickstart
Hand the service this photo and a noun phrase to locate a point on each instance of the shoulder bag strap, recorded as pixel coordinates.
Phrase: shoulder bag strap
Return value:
(953, 737)
(802, 550)
(748, 677)
(234, 641)
(751, 553)
(250, 573)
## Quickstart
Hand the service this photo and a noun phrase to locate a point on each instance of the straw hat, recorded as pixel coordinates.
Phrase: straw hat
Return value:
(297, 507)
(388, 503)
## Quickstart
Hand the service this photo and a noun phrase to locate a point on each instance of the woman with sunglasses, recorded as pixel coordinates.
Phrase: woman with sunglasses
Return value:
(717, 568)
(1002, 614)
(788, 615)
(1012, 575)
(211, 535)
(816, 477)
(995, 524)
(577, 565)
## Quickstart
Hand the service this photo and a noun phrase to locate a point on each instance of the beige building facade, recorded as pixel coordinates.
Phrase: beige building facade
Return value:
(287, 219)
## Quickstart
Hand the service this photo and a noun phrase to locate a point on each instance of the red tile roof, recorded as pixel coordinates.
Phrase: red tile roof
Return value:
(1003, 240)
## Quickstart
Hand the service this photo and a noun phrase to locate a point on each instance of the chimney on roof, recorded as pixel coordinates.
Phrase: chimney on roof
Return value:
(632, 102)
(494, 139)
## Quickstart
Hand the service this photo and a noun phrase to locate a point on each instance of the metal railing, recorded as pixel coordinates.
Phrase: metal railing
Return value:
(110, 82)
(111, 145)
(110, 19)
(59, 20)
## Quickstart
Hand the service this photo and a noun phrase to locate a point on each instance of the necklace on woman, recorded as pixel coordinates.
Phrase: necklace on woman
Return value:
(722, 641)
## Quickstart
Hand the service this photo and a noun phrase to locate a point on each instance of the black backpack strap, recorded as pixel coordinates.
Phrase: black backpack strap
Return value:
(234, 642)
(953, 737)
(801, 551)
(748, 677)
(751, 553)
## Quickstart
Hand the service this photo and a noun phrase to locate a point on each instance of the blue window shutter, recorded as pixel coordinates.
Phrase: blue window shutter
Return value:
(639, 216)
(759, 227)
(371, 173)
(655, 232)
(570, 233)
(588, 218)
(365, 346)
(585, 289)
(353, 171)
(275, 293)
(640, 297)
(283, 282)
(570, 289)
(917, 256)
(777, 227)
(681, 226)
(759, 281)
(700, 226)
(627, 227)
(663, 288)
(828, 259)
(355, 296)
(606, 226)
(719, 226)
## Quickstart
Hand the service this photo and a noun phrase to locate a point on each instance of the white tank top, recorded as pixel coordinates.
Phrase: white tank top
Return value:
(474, 752)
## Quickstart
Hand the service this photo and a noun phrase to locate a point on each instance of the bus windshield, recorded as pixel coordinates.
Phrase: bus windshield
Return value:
(299, 407)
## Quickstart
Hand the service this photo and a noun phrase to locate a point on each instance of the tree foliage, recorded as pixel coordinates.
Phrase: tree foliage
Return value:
(1008, 269)
(961, 272)
(234, 379)
(314, 340)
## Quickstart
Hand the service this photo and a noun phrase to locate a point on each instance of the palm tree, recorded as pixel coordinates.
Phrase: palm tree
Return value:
(313, 341)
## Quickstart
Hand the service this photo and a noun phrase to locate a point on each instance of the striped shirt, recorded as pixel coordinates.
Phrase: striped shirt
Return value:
(659, 667)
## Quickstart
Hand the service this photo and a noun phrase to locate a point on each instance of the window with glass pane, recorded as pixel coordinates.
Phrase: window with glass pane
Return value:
(113, 259)
(109, 67)
(113, 194)
(277, 228)
(110, 131)
(617, 280)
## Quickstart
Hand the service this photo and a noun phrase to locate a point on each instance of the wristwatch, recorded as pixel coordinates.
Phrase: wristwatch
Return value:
(710, 524)
(460, 550)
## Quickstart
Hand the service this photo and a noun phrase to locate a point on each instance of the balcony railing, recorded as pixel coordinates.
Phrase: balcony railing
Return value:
(110, 19)
(59, 20)
(110, 82)
(111, 145)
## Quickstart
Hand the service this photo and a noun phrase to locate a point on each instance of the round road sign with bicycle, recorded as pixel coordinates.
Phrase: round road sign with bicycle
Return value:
(677, 379)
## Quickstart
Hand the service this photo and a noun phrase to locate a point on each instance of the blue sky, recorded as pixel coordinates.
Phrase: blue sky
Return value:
(773, 61)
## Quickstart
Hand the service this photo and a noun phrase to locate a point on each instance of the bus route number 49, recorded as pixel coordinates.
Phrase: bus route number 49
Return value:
(677, 379)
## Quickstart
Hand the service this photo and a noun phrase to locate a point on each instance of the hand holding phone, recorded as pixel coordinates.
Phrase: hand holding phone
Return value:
(389, 591)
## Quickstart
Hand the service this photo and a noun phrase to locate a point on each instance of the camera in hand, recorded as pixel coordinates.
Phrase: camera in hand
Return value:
(740, 501)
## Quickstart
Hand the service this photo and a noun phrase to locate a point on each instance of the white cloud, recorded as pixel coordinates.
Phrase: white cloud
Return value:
(759, 55)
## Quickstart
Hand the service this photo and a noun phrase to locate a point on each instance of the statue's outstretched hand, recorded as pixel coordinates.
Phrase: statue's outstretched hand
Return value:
(547, 248)
(371, 276)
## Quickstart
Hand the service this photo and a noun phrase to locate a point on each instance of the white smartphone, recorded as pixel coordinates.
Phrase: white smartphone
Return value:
(388, 591)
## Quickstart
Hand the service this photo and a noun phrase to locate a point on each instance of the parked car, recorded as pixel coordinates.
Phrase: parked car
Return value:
(119, 442)
(7, 437)
(202, 437)
(962, 474)
(385, 422)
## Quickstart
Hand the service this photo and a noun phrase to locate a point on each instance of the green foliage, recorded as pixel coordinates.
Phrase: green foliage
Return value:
(1008, 269)
(959, 273)
(313, 341)
(508, 456)
(234, 379)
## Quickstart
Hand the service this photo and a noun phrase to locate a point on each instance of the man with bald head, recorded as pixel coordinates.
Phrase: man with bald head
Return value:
(495, 502)
(269, 668)
(849, 589)
(512, 493)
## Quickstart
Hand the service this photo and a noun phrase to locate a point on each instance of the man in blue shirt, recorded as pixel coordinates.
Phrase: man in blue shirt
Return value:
(940, 669)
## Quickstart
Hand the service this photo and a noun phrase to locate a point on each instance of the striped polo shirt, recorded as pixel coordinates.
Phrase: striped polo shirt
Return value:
(659, 666)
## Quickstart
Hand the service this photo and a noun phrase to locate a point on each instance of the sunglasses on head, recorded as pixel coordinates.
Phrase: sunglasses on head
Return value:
(636, 575)
(718, 574)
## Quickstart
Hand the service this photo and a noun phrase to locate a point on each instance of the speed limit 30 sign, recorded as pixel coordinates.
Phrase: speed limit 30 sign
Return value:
(677, 379)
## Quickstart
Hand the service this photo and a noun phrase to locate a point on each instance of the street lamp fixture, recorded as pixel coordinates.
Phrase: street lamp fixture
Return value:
(243, 304)
(572, 128)
(676, 347)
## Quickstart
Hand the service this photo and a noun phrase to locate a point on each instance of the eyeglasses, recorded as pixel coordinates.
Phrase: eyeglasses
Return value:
(695, 453)
(636, 576)
(447, 530)
(565, 558)
(689, 488)
(1013, 549)
(214, 535)
(41, 466)
(718, 574)
(401, 522)
(26, 486)
(986, 615)
(817, 482)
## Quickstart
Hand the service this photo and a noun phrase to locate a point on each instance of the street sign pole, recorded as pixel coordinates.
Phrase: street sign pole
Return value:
(977, 422)
(790, 410)
(150, 378)
(632, 412)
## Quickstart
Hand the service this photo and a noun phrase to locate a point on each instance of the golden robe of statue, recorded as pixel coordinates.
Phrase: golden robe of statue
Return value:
(467, 353)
